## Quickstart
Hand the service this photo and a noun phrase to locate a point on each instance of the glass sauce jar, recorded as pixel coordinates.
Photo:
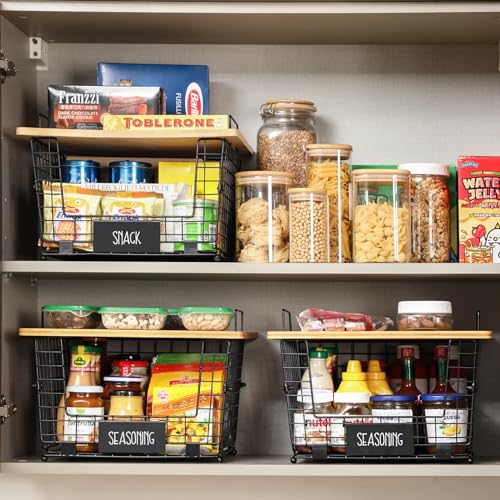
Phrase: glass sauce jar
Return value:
(125, 404)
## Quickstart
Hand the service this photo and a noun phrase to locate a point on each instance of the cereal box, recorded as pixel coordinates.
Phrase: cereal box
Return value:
(479, 209)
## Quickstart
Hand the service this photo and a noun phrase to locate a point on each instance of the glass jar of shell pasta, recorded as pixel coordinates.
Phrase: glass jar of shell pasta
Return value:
(262, 228)
(328, 168)
(381, 229)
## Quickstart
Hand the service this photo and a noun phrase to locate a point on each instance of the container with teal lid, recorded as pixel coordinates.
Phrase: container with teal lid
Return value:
(133, 318)
(71, 316)
(206, 318)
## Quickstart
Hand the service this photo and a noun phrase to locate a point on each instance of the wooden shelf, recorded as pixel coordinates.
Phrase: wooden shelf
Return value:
(384, 335)
(151, 143)
(134, 334)
(275, 22)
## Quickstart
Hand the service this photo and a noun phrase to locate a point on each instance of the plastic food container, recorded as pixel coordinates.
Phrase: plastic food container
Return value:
(425, 315)
(130, 172)
(174, 322)
(133, 318)
(59, 316)
(206, 318)
(80, 171)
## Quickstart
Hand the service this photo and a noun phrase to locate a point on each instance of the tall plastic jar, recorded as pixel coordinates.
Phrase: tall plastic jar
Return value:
(262, 231)
(288, 127)
(308, 225)
(329, 168)
(381, 228)
(430, 212)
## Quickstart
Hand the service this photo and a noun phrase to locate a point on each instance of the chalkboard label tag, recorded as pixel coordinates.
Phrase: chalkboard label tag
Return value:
(379, 440)
(131, 437)
(127, 237)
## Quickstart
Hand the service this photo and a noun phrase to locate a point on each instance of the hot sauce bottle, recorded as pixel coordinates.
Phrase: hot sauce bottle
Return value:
(408, 385)
(441, 360)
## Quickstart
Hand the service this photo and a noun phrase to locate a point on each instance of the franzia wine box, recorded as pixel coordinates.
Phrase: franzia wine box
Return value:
(479, 209)
(185, 87)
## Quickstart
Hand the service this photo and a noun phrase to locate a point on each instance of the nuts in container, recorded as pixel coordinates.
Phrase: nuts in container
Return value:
(133, 318)
(206, 318)
(425, 315)
(59, 316)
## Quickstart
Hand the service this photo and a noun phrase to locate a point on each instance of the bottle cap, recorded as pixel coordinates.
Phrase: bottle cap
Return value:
(441, 351)
(318, 354)
(354, 371)
(94, 389)
(351, 397)
(408, 352)
(374, 371)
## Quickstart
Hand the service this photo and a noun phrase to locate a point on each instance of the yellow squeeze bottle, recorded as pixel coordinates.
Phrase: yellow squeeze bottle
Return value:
(377, 380)
(354, 379)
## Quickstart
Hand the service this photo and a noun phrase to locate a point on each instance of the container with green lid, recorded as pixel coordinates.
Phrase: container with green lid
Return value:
(133, 318)
(173, 320)
(206, 318)
(63, 316)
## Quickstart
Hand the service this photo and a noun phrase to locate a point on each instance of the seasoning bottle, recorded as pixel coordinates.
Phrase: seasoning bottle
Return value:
(124, 404)
(354, 379)
(377, 379)
(421, 372)
(316, 376)
(331, 362)
(442, 385)
(408, 385)
(457, 374)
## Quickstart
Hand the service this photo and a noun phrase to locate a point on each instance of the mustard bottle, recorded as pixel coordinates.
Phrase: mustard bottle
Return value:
(354, 379)
(377, 380)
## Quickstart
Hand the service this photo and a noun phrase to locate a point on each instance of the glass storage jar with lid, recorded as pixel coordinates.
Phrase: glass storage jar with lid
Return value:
(425, 315)
(329, 168)
(430, 212)
(381, 229)
(262, 216)
(308, 225)
(281, 140)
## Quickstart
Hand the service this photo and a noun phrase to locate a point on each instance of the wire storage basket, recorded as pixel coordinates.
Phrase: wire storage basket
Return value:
(198, 417)
(81, 220)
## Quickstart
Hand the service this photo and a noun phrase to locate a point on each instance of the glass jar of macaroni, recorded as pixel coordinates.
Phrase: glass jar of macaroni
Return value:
(308, 225)
(328, 168)
(381, 229)
(262, 216)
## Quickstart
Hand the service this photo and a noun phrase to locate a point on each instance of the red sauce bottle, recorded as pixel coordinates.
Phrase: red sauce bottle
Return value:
(408, 385)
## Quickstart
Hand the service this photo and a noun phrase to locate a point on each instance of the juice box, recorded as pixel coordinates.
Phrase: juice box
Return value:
(479, 209)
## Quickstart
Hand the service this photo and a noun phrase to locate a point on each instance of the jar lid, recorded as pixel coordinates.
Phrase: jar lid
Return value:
(173, 312)
(426, 168)
(82, 349)
(130, 380)
(205, 310)
(132, 310)
(262, 176)
(91, 389)
(320, 396)
(351, 397)
(424, 306)
(61, 308)
(287, 105)
(126, 393)
(306, 191)
(430, 398)
(375, 172)
(394, 397)
(80, 163)
(318, 354)
(342, 147)
(130, 163)
(328, 350)
(416, 349)
(132, 363)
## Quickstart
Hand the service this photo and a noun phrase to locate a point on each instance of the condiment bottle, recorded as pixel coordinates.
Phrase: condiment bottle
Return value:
(408, 385)
(124, 404)
(457, 375)
(441, 363)
(420, 370)
(354, 379)
(377, 379)
(317, 376)
(331, 362)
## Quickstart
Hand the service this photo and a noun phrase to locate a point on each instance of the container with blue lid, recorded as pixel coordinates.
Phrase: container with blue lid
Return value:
(130, 172)
(435, 398)
(80, 171)
(394, 397)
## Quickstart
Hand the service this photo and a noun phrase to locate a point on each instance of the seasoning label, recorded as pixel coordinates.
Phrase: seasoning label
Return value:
(446, 426)
(393, 416)
(338, 429)
(131, 437)
(81, 424)
(309, 429)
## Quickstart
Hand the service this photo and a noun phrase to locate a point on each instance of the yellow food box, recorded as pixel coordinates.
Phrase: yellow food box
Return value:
(161, 122)
(183, 171)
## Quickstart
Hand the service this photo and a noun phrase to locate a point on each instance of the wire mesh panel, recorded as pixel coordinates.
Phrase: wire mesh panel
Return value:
(193, 398)
(437, 428)
(198, 225)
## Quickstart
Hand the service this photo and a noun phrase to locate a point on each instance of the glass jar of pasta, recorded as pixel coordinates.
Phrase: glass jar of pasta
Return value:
(288, 127)
(308, 225)
(262, 216)
(328, 168)
(381, 229)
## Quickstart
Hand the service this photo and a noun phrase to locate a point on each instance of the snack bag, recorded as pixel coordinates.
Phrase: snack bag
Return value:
(129, 206)
(73, 221)
(193, 407)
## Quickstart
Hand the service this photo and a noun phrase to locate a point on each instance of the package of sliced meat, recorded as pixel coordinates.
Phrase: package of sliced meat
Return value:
(319, 320)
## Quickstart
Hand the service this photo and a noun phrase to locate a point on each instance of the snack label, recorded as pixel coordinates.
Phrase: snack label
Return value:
(310, 429)
(182, 122)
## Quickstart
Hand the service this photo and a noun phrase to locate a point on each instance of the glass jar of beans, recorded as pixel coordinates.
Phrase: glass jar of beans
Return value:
(309, 228)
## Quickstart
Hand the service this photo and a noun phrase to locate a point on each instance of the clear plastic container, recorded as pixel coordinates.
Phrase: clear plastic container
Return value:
(262, 216)
(206, 318)
(425, 315)
(329, 168)
(133, 318)
(381, 229)
(430, 212)
(281, 141)
(60, 316)
(308, 225)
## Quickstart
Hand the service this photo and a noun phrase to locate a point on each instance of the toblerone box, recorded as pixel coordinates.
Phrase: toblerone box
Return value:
(479, 209)
(161, 122)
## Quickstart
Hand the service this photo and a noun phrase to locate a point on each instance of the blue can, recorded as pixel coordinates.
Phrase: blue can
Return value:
(80, 171)
(130, 172)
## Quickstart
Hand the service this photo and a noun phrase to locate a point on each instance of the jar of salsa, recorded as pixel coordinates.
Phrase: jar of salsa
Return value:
(397, 408)
(132, 368)
(446, 422)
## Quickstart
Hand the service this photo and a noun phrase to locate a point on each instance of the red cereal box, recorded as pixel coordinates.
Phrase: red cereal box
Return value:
(479, 209)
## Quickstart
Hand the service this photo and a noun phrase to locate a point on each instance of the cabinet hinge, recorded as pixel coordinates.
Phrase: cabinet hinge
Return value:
(7, 68)
(6, 410)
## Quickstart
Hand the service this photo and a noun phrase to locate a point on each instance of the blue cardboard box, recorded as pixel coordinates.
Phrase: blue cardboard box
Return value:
(185, 87)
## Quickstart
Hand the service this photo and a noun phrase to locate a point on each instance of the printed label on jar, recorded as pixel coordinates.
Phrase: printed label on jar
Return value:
(337, 428)
(309, 429)
(446, 426)
(81, 425)
(392, 416)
